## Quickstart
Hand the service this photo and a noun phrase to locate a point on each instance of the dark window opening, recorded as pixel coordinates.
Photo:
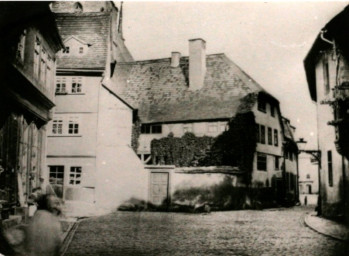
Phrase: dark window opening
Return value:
(276, 138)
(262, 105)
(262, 134)
(151, 129)
(270, 136)
(330, 170)
(261, 162)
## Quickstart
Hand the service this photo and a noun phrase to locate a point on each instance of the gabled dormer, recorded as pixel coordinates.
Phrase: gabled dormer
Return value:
(75, 46)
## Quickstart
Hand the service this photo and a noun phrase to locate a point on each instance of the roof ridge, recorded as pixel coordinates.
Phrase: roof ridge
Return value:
(165, 59)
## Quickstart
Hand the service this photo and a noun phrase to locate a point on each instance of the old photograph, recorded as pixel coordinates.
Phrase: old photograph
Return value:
(174, 128)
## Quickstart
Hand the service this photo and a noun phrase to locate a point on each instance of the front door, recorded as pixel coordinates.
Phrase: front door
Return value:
(159, 182)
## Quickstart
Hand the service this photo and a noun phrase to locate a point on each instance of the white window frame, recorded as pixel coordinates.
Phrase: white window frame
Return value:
(75, 176)
(57, 126)
(76, 85)
(61, 85)
(73, 125)
(187, 128)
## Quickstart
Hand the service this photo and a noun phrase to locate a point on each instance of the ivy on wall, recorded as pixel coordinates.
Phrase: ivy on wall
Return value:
(234, 147)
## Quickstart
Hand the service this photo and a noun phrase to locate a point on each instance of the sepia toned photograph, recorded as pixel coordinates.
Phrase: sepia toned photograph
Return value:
(174, 128)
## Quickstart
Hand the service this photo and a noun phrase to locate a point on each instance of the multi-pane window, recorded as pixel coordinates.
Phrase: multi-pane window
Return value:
(73, 125)
(56, 179)
(270, 136)
(60, 85)
(330, 168)
(276, 138)
(262, 134)
(261, 162)
(57, 126)
(37, 49)
(308, 176)
(262, 105)
(277, 162)
(75, 175)
(21, 46)
(326, 74)
(187, 128)
(76, 85)
(81, 50)
(149, 128)
(66, 50)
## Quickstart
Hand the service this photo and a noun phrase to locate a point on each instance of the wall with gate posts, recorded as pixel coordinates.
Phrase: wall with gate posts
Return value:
(166, 182)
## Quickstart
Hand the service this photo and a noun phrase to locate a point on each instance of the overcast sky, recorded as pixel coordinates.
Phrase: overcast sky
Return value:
(267, 40)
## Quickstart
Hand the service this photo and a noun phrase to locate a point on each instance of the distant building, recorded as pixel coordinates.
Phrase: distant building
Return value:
(200, 94)
(91, 164)
(308, 179)
(28, 46)
(326, 67)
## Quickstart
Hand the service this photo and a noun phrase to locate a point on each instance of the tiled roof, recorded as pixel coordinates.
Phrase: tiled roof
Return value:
(92, 28)
(161, 93)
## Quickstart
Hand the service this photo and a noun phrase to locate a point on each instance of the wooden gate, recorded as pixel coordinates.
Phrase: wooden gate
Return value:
(159, 187)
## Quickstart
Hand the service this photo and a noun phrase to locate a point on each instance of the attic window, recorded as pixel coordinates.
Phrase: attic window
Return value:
(77, 7)
(262, 105)
(81, 50)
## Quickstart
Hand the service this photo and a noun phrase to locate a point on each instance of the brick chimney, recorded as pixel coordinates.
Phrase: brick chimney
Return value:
(175, 58)
(197, 63)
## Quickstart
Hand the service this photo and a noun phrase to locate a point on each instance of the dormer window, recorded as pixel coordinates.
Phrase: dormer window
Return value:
(75, 46)
(77, 7)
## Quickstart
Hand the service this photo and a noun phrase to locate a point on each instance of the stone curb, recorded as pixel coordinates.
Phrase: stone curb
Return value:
(326, 227)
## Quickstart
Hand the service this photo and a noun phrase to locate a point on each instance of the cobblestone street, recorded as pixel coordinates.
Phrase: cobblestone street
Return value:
(267, 232)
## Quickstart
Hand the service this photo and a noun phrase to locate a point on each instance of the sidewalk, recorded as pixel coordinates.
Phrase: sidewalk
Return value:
(327, 227)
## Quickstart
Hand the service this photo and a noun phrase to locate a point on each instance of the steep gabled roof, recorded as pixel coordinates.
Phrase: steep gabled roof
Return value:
(336, 29)
(161, 93)
(92, 28)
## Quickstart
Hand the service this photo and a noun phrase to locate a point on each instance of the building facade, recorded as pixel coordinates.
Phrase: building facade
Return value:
(308, 180)
(201, 94)
(29, 42)
(326, 67)
(91, 164)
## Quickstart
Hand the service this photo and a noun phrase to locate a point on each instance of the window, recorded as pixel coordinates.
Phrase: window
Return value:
(73, 125)
(330, 170)
(212, 128)
(37, 49)
(270, 136)
(81, 50)
(291, 156)
(308, 176)
(60, 85)
(277, 163)
(148, 128)
(43, 66)
(57, 126)
(276, 138)
(258, 133)
(262, 106)
(76, 85)
(309, 189)
(56, 179)
(75, 175)
(326, 75)
(21, 46)
(272, 110)
(261, 162)
(262, 135)
(66, 50)
(187, 128)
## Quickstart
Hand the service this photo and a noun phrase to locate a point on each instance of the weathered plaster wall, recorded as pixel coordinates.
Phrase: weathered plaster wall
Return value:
(120, 174)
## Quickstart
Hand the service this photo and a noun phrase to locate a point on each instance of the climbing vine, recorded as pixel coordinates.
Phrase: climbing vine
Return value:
(235, 147)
